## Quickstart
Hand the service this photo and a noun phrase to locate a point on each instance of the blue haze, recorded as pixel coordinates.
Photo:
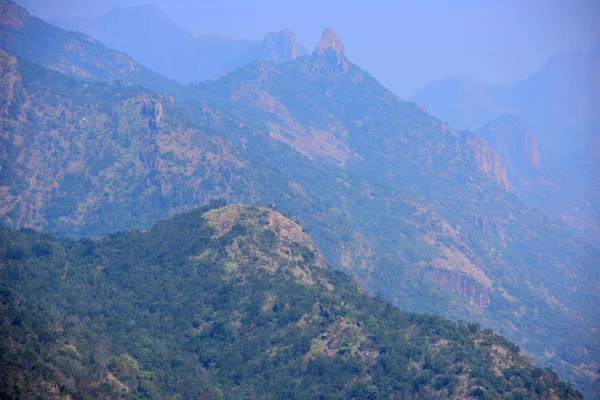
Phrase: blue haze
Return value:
(405, 44)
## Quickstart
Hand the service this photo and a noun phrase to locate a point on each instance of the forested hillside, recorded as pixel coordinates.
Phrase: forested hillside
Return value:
(422, 214)
(228, 303)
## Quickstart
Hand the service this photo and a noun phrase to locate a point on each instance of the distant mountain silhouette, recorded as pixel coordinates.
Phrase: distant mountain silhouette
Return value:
(70, 53)
(561, 102)
(538, 181)
(151, 38)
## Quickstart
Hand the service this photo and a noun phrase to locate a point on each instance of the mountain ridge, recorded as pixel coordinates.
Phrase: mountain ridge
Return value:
(417, 210)
(251, 310)
(149, 36)
(561, 102)
(71, 53)
(539, 182)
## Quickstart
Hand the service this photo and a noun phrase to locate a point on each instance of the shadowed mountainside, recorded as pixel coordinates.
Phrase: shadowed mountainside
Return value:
(150, 37)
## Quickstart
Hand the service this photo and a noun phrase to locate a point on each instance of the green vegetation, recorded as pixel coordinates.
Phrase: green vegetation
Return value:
(417, 211)
(228, 302)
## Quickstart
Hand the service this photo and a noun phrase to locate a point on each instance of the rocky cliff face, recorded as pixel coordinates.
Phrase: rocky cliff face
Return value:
(561, 102)
(464, 285)
(281, 46)
(537, 181)
(332, 47)
(516, 143)
(276, 47)
(489, 162)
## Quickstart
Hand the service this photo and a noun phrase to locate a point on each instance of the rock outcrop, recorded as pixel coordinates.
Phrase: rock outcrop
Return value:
(465, 285)
(489, 162)
(332, 47)
(11, 15)
(281, 46)
(510, 137)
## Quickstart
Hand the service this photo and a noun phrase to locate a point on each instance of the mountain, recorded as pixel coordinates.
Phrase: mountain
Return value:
(275, 47)
(537, 181)
(71, 53)
(151, 38)
(421, 213)
(227, 303)
(561, 102)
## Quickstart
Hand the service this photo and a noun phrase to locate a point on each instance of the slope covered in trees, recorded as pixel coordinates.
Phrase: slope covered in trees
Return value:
(228, 302)
(421, 213)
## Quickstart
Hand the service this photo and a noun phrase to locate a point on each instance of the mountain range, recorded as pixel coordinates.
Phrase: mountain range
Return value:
(561, 102)
(151, 38)
(433, 219)
(71, 53)
(537, 180)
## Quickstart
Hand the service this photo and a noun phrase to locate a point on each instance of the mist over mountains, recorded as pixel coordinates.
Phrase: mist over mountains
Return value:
(561, 102)
(484, 226)
(151, 38)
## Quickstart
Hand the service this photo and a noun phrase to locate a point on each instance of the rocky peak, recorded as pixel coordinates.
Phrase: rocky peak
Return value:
(265, 239)
(330, 43)
(281, 46)
(12, 15)
(331, 46)
(514, 140)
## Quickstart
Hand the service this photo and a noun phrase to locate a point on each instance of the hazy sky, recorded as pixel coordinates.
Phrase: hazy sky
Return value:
(405, 44)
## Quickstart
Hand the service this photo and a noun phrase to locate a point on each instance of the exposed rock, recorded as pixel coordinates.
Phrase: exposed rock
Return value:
(154, 110)
(488, 227)
(282, 46)
(465, 285)
(489, 162)
(331, 46)
(268, 233)
(510, 137)
(12, 15)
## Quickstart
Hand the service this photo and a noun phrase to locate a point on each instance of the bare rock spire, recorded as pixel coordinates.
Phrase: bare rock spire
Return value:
(331, 46)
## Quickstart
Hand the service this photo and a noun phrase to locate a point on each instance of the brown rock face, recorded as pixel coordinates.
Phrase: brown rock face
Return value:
(510, 136)
(281, 46)
(489, 162)
(11, 15)
(465, 285)
(331, 45)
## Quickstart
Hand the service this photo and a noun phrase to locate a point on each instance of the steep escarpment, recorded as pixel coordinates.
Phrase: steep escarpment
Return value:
(537, 181)
(228, 302)
(331, 46)
(561, 102)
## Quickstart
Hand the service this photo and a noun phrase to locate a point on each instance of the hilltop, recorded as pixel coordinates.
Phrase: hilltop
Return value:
(229, 302)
